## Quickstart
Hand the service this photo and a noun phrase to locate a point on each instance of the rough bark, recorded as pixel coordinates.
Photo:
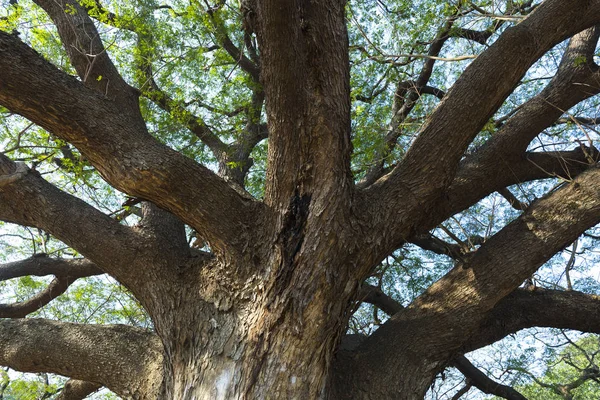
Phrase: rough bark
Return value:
(127, 360)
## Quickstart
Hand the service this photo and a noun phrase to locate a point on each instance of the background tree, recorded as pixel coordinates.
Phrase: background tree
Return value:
(251, 175)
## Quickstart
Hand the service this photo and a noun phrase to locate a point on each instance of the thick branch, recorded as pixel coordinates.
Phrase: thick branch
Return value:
(306, 79)
(439, 321)
(431, 163)
(125, 359)
(521, 309)
(514, 170)
(31, 201)
(526, 308)
(513, 200)
(500, 162)
(375, 296)
(121, 148)
(165, 228)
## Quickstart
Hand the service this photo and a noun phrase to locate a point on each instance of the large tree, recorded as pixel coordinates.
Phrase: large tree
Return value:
(373, 139)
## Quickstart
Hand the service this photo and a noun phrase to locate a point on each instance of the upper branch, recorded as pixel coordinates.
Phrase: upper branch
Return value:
(502, 161)
(150, 89)
(86, 51)
(120, 147)
(41, 265)
(305, 73)
(431, 163)
(21, 309)
(222, 37)
(125, 359)
(405, 99)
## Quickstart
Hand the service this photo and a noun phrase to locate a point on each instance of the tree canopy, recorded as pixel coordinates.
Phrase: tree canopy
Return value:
(314, 199)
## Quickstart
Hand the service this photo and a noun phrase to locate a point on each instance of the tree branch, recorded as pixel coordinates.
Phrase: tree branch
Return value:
(375, 296)
(20, 310)
(439, 321)
(222, 37)
(405, 99)
(438, 246)
(41, 265)
(504, 172)
(31, 201)
(575, 81)
(513, 200)
(483, 382)
(525, 308)
(86, 51)
(166, 229)
(77, 390)
(125, 359)
(65, 270)
(432, 161)
(121, 148)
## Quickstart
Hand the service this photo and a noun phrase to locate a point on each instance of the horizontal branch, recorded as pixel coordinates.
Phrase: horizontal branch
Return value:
(65, 270)
(42, 265)
(527, 308)
(125, 359)
(427, 56)
(470, 185)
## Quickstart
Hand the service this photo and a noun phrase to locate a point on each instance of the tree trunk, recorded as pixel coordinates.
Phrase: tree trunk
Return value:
(274, 332)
